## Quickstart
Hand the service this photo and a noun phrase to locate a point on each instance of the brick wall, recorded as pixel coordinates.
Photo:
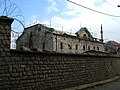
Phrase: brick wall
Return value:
(22, 70)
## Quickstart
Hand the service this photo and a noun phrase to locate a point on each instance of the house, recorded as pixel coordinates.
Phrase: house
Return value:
(42, 38)
(112, 47)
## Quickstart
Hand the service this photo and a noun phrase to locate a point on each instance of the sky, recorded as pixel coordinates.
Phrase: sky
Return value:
(65, 16)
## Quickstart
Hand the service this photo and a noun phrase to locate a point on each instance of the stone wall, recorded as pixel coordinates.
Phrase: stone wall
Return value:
(49, 71)
(22, 70)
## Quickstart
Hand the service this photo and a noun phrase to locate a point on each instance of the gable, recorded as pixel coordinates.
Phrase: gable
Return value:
(83, 33)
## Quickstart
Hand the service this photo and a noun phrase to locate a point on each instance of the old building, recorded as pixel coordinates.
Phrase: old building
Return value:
(42, 38)
(112, 47)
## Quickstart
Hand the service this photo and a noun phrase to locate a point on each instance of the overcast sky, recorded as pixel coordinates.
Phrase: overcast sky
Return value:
(72, 17)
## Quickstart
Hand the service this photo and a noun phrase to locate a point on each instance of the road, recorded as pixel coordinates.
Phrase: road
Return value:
(115, 85)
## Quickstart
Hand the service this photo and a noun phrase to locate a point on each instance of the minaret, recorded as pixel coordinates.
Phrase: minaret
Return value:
(101, 33)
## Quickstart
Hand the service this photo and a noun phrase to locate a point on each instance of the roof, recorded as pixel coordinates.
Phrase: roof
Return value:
(112, 44)
(83, 31)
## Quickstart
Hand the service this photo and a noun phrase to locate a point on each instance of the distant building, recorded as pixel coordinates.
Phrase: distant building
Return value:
(42, 38)
(112, 47)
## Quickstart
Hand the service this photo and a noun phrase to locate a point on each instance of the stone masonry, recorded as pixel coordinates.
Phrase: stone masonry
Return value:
(27, 70)
(42, 38)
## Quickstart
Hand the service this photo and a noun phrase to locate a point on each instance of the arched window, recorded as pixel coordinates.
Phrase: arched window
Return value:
(89, 48)
(84, 36)
(61, 45)
(98, 48)
(76, 47)
(84, 47)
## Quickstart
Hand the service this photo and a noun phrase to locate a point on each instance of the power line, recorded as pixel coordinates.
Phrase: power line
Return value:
(114, 1)
(93, 9)
(110, 3)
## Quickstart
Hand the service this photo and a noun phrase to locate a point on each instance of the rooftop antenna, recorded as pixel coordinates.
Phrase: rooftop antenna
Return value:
(95, 35)
(30, 22)
(50, 23)
(90, 28)
(62, 29)
(80, 25)
(36, 20)
(70, 31)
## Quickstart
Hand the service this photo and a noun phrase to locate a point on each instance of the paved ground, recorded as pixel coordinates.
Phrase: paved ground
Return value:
(115, 85)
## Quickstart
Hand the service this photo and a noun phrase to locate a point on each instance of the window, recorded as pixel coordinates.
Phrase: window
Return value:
(43, 46)
(89, 48)
(76, 47)
(31, 40)
(84, 36)
(61, 45)
(106, 49)
(98, 48)
(70, 46)
(83, 47)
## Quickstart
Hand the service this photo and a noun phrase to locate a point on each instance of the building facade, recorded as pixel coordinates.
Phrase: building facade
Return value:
(42, 38)
(112, 47)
